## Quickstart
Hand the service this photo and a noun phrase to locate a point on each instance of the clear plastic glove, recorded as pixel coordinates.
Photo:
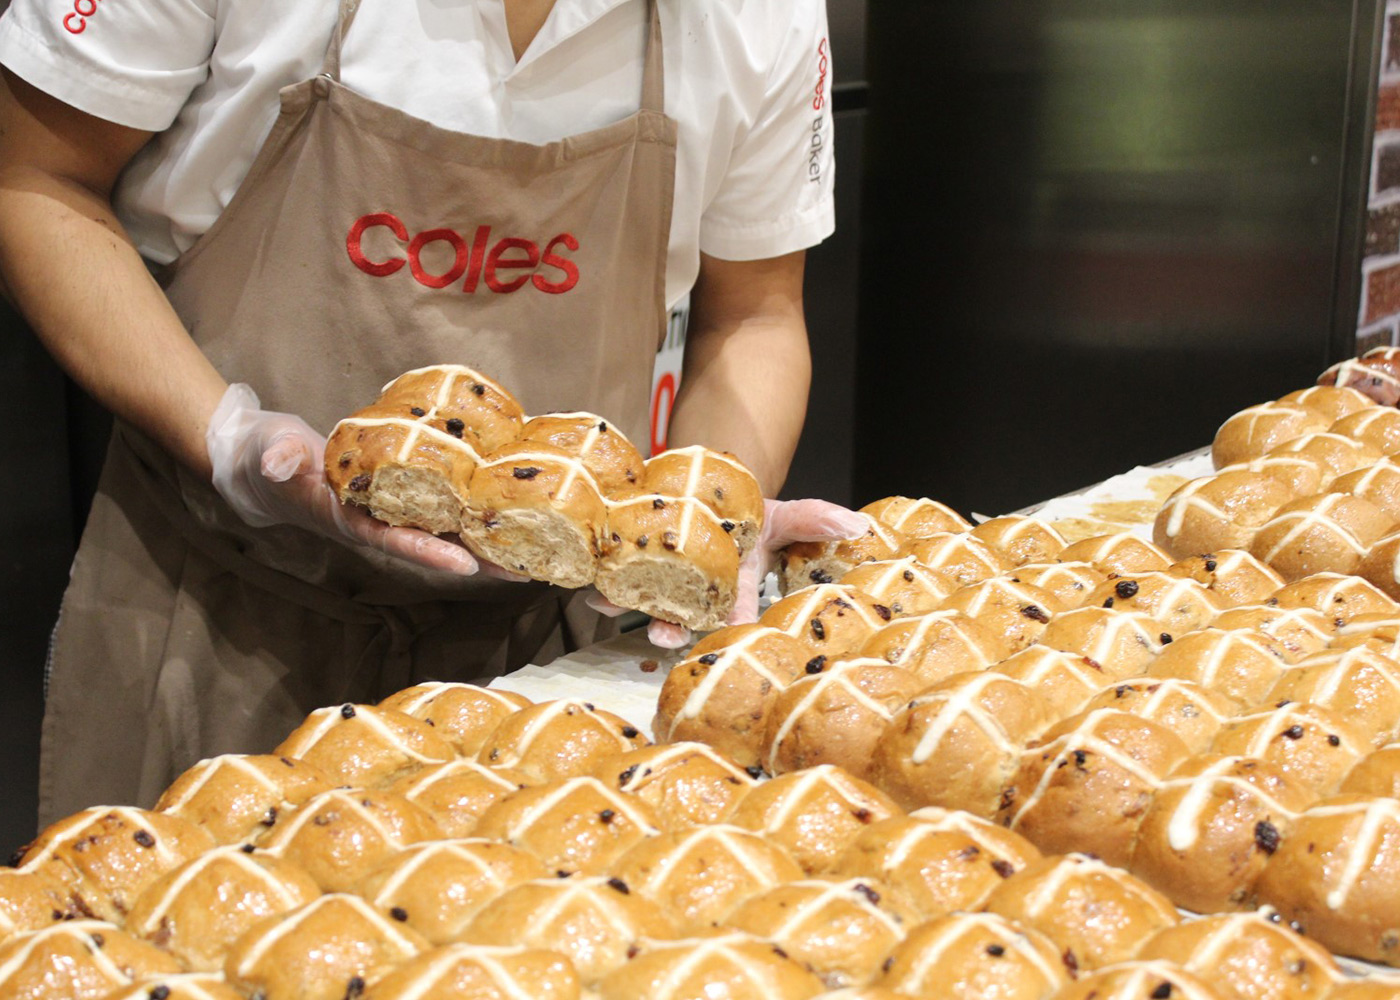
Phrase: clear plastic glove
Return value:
(268, 467)
(784, 522)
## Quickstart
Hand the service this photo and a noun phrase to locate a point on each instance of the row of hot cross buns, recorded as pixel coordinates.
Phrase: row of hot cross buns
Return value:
(1307, 483)
(455, 843)
(562, 497)
(1226, 736)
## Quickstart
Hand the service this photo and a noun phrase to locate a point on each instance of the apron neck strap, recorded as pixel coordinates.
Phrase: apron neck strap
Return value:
(331, 66)
(653, 75)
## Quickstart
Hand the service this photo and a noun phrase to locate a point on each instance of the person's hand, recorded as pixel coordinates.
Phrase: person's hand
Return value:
(268, 467)
(784, 522)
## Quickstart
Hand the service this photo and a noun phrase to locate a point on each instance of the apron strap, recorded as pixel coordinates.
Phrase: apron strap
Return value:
(654, 73)
(331, 65)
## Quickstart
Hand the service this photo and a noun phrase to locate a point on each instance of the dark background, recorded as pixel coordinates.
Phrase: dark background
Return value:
(1072, 237)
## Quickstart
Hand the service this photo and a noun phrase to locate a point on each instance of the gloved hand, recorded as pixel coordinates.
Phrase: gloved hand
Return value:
(784, 522)
(268, 467)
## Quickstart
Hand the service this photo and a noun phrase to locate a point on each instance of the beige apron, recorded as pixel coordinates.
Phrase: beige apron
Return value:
(363, 243)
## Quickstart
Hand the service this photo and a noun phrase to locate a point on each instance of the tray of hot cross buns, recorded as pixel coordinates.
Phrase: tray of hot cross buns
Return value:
(1140, 742)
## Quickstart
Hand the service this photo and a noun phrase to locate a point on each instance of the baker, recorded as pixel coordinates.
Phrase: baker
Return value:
(232, 221)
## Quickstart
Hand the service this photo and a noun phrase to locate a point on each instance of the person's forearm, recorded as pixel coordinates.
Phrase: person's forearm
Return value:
(67, 266)
(744, 390)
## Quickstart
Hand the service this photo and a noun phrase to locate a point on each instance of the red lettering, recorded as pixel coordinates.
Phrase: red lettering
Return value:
(823, 63)
(497, 260)
(483, 236)
(552, 259)
(661, 417)
(91, 8)
(415, 259)
(68, 23)
(357, 232)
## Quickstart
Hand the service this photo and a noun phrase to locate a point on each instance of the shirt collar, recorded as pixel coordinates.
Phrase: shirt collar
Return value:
(567, 19)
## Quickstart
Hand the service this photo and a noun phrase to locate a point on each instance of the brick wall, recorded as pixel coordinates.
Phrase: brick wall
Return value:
(1379, 320)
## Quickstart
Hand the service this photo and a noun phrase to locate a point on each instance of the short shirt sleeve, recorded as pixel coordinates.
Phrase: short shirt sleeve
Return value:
(777, 193)
(133, 62)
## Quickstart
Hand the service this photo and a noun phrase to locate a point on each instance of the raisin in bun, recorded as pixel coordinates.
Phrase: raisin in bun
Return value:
(462, 714)
(410, 456)
(77, 960)
(1336, 876)
(719, 481)
(1122, 643)
(672, 558)
(536, 510)
(1311, 744)
(32, 899)
(572, 825)
(596, 921)
(956, 744)
(1339, 596)
(339, 836)
(1374, 373)
(106, 857)
(968, 956)
(1191, 710)
(831, 620)
(1218, 512)
(836, 715)
(1065, 680)
(958, 559)
(804, 564)
(1021, 539)
(1379, 482)
(328, 949)
(558, 739)
(916, 517)
(365, 746)
(1358, 683)
(1378, 426)
(1210, 828)
(936, 860)
(1327, 532)
(456, 793)
(733, 965)
(1085, 783)
(722, 692)
(473, 970)
(1260, 429)
(1178, 603)
(935, 645)
(436, 887)
(1095, 913)
(1233, 575)
(690, 784)
(905, 586)
(1139, 980)
(234, 797)
(1331, 401)
(614, 461)
(813, 814)
(699, 874)
(1015, 612)
(178, 986)
(187, 911)
(1071, 582)
(840, 929)
(1247, 955)
(1119, 552)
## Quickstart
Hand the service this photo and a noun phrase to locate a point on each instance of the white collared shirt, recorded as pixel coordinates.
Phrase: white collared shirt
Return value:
(749, 82)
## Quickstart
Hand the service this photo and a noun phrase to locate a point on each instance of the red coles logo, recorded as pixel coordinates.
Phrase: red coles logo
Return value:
(504, 266)
(823, 65)
(76, 19)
